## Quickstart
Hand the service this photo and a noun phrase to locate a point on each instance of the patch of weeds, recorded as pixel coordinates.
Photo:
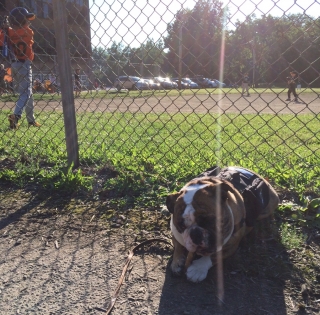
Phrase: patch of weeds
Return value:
(291, 237)
(72, 180)
(307, 214)
(108, 214)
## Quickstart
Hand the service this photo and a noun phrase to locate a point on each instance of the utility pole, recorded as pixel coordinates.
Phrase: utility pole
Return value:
(181, 22)
(253, 43)
(253, 63)
(180, 53)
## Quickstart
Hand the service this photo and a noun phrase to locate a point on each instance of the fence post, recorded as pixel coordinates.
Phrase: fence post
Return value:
(66, 83)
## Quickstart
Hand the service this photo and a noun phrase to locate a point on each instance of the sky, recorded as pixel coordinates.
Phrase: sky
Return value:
(132, 22)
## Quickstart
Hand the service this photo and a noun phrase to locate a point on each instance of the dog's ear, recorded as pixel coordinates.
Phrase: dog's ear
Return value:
(171, 201)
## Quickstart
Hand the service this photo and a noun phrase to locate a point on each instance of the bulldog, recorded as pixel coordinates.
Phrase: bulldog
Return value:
(213, 212)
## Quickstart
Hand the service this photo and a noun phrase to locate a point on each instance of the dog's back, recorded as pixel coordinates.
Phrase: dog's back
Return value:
(259, 197)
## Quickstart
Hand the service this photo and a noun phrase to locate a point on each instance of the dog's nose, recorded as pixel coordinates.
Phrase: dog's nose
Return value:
(196, 235)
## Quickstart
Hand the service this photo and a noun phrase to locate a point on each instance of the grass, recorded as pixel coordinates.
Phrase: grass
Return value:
(125, 93)
(137, 159)
(110, 94)
(165, 150)
(291, 237)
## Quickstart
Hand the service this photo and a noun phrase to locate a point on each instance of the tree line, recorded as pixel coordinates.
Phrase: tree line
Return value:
(198, 42)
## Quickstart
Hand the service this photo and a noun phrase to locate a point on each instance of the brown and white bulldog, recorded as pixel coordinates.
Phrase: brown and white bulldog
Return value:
(213, 212)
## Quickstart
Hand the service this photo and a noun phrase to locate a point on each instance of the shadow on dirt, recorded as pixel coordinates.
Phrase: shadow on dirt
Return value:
(33, 197)
(61, 254)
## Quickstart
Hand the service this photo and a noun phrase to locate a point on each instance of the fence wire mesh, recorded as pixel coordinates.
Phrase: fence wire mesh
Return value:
(163, 87)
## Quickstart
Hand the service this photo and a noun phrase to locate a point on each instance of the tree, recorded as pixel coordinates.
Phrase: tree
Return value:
(198, 31)
(148, 58)
(118, 59)
(280, 44)
(108, 61)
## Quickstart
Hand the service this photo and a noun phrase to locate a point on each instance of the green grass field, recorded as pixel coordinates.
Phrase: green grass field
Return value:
(139, 158)
(110, 94)
(162, 151)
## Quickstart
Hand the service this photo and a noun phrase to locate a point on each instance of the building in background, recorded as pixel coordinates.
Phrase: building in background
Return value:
(45, 62)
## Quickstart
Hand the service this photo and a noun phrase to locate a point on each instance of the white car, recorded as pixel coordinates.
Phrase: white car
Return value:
(130, 83)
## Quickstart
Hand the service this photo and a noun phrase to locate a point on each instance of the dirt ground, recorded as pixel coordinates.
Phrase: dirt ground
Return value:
(266, 103)
(62, 254)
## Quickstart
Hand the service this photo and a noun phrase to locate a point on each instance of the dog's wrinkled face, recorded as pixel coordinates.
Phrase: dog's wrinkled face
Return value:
(196, 210)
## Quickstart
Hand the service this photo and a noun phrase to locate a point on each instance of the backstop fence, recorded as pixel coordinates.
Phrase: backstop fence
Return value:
(156, 128)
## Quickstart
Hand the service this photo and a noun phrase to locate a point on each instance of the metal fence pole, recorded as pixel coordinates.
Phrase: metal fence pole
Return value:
(65, 72)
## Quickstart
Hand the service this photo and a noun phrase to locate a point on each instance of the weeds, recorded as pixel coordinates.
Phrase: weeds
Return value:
(291, 237)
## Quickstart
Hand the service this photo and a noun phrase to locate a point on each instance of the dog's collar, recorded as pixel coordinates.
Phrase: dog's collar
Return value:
(176, 234)
(231, 231)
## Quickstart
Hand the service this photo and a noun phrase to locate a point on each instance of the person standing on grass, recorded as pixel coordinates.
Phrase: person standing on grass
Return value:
(20, 37)
(292, 83)
(245, 83)
(77, 83)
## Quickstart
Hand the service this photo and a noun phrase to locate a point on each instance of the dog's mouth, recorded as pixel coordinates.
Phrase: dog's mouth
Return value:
(196, 239)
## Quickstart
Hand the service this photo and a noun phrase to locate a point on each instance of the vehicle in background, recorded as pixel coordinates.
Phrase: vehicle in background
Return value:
(130, 83)
(166, 83)
(204, 82)
(219, 84)
(186, 83)
(192, 85)
(152, 85)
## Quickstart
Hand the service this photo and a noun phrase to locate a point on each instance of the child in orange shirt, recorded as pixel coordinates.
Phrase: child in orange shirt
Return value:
(20, 42)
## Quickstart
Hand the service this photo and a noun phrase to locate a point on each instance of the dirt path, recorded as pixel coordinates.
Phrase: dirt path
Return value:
(57, 256)
(230, 103)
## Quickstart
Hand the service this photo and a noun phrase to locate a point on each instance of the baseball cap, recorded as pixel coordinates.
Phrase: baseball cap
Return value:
(19, 14)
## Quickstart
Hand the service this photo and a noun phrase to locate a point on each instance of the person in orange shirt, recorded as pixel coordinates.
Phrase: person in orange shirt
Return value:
(20, 43)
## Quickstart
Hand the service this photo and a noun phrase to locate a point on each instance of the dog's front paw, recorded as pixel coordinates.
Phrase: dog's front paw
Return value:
(199, 268)
(177, 266)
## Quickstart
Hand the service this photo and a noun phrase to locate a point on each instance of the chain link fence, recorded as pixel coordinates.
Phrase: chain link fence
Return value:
(158, 127)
